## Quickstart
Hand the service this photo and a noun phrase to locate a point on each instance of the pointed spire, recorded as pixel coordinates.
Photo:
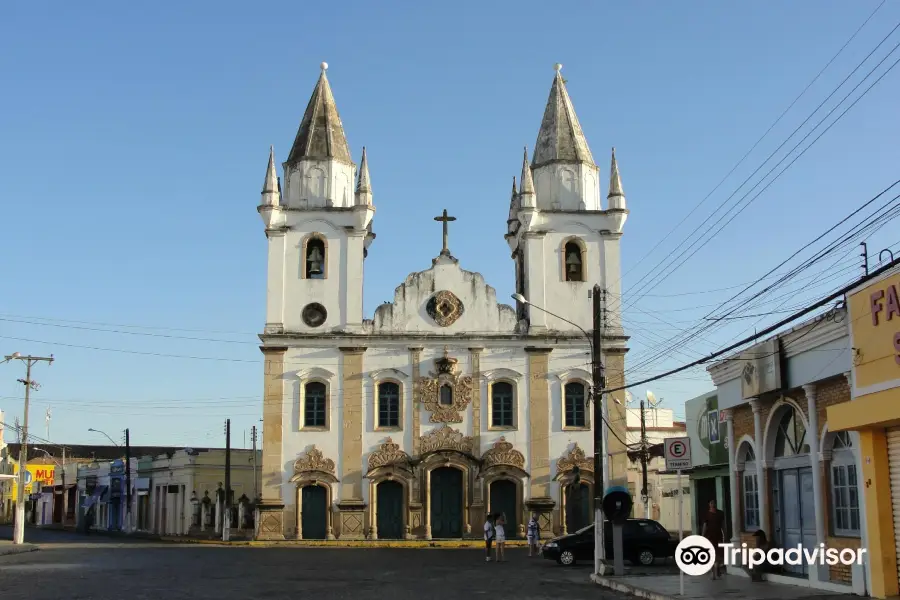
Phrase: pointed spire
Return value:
(527, 178)
(362, 183)
(321, 134)
(515, 192)
(560, 137)
(271, 191)
(616, 196)
(615, 181)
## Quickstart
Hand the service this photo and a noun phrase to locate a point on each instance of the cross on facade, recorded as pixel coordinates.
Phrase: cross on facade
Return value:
(445, 219)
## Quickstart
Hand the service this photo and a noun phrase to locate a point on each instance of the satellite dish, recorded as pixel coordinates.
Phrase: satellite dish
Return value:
(628, 397)
(651, 398)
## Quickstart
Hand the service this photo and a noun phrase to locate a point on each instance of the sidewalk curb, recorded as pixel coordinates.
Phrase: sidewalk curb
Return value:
(417, 544)
(626, 588)
(19, 550)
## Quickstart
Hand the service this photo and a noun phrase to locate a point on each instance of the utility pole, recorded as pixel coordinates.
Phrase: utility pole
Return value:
(255, 484)
(599, 384)
(30, 361)
(127, 480)
(65, 501)
(226, 521)
(645, 496)
(865, 256)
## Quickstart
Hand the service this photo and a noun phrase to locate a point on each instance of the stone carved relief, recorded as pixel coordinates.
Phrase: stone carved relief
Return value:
(503, 453)
(574, 457)
(427, 390)
(446, 438)
(313, 461)
(388, 453)
(271, 523)
(445, 308)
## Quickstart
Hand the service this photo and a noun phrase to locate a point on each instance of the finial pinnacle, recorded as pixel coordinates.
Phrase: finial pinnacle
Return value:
(324, 66)
(557, 67)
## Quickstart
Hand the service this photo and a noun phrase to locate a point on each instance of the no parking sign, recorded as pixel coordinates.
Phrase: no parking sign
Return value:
(678, 454)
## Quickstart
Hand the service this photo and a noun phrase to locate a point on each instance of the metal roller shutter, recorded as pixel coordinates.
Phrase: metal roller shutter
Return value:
(893, 446)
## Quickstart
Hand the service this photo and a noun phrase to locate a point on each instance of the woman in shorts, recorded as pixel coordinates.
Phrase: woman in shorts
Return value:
(500, 532)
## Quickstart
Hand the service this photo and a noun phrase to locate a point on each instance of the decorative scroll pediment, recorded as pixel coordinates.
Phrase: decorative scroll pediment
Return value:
(574, 458)
(503, 453)
(314, 460)
(445, 438)
(427, 390)
(388, 454)
(574, 374)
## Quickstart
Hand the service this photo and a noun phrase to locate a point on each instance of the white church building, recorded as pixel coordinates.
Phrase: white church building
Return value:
(446, 404)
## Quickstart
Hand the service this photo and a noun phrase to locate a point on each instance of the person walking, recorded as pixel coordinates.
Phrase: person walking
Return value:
(714, 531)
(488, 536)
(500, 532)
(534, 536)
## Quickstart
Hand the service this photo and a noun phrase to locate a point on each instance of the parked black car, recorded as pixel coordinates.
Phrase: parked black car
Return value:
(643, 541)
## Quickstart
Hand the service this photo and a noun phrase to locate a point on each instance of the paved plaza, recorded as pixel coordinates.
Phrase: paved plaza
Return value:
(70, 565)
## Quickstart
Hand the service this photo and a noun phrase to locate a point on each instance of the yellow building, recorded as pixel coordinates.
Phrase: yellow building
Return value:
(874, 411)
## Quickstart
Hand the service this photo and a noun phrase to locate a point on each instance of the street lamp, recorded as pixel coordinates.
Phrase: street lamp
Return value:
(597, 386)
(104, 433)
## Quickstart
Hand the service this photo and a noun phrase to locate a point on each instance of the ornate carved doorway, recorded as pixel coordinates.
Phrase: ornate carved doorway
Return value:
(314, 507)
(503, 500)
(390, 510)
(446, 503)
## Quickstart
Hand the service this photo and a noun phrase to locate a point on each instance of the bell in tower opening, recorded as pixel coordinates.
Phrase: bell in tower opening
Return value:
(573, 262)
(315, 259)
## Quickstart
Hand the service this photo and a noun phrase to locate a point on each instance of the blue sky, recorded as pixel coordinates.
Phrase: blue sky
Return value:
(135, 140)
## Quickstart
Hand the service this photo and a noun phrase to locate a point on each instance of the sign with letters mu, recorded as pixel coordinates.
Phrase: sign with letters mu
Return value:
(677, 453)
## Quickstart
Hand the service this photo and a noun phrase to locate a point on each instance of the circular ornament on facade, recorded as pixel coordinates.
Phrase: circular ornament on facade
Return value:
(314, 314)
(445, 308)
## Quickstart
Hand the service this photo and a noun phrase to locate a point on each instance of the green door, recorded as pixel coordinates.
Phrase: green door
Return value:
(314, 507)
(390, 510)
(578, 507)
(503, 500)
(446, 503)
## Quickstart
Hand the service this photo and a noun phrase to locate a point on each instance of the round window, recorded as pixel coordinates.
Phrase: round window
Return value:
(314, 314)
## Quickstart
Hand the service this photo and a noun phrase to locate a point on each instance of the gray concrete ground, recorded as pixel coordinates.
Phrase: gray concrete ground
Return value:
(71, 565)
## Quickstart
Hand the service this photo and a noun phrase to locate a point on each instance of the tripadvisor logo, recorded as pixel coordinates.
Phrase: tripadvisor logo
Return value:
(695, 555)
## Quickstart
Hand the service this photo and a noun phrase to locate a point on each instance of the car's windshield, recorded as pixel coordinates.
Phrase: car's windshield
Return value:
(583, 529)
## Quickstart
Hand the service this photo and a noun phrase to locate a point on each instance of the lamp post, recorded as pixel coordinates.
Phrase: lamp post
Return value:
(597, 386)
(112, 441)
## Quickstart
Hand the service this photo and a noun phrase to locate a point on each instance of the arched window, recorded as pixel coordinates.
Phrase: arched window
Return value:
(388, 404)
(574, 404)
(315, 258)
(573, 262)
(750, 492)
(790, 440)
(446, 395)
(844, 487)
(315, 404)
(502, 405)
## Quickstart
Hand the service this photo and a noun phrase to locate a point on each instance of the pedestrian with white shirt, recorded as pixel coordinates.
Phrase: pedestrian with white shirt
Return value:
(488, 536)
(534, 536)
(500, 533)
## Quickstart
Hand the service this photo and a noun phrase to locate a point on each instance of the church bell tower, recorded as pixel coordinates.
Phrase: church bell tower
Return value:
(563, 240)
(319, 226)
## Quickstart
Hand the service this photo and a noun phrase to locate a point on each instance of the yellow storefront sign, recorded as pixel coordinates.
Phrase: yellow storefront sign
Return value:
(874, 311)
(36, 477)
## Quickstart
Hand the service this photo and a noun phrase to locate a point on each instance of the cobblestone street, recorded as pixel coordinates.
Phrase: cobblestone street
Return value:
(75, 566)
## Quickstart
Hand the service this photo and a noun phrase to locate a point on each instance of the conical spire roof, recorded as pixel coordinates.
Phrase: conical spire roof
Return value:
(362, 182)
(270, 185)
(527, 178)
(321, 134)
(560, 137)
(615, 180)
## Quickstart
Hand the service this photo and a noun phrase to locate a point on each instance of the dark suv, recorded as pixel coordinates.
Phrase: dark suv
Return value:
(643, 541)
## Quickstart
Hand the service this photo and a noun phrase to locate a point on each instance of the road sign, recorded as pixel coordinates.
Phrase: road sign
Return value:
(678, 454)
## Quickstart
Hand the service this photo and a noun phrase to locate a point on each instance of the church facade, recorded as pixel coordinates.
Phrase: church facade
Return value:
(447, 404)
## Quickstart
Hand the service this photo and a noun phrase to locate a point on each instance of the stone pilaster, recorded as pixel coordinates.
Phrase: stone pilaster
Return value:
(539, 421)
(416, 514)
(351, 506)
(477, 508)
(616, 472)
(271, 506)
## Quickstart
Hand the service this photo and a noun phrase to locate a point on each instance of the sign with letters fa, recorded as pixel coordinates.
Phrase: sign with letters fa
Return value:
(678, 453)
